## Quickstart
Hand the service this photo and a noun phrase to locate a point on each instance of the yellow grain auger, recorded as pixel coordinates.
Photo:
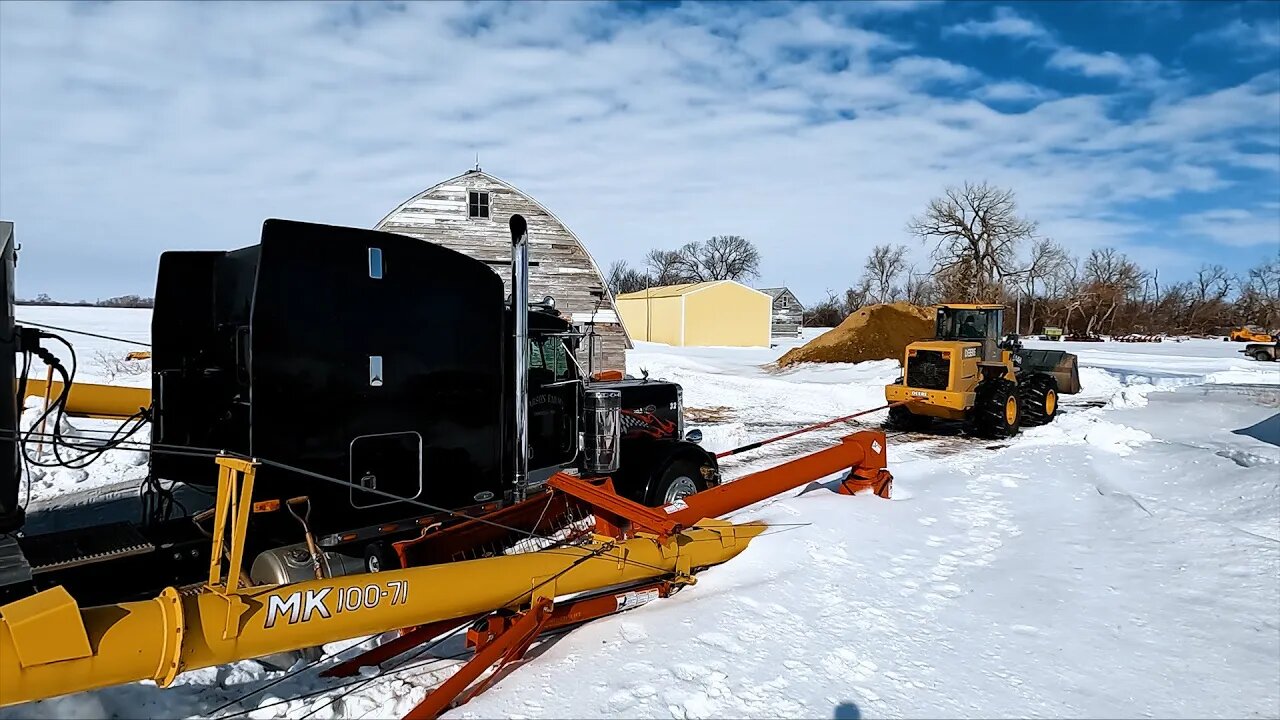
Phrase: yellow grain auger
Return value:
(970, 372)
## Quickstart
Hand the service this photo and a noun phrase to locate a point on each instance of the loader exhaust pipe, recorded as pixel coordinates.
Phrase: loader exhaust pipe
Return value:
(520, 314)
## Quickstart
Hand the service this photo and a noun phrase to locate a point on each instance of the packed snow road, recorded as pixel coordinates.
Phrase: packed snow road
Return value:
(1122, 561)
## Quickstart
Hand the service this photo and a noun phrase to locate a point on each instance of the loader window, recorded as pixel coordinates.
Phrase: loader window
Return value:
(968, 324)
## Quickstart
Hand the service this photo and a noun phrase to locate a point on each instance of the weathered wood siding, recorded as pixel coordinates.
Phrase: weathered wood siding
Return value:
(559, 265)
(788, 313)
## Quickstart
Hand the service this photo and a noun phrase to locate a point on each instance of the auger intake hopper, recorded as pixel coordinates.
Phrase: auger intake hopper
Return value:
(1061, 365)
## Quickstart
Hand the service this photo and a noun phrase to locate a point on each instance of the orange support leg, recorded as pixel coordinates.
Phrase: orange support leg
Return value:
(505, 638)
(501, 650)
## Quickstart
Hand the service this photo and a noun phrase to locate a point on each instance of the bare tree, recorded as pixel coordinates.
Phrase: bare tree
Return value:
(884, 266)
(828, 313)
(920, 289)
(728, 257)
(666, 267)
(624, 279)
(1212, 285)
(976, 231)
(723, 257)
(1047, 260)
(1111, 278)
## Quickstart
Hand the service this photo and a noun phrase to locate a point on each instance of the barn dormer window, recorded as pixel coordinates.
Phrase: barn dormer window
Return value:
(477, 204)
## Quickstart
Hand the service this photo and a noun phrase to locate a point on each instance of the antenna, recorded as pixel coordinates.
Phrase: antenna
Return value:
(477, 168)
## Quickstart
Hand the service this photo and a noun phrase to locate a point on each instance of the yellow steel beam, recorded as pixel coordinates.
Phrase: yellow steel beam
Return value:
(109, 402)
(157, 639)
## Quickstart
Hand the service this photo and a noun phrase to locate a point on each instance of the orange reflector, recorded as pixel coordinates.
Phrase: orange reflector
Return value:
(347, 537)
(266, 506)
(388, 528)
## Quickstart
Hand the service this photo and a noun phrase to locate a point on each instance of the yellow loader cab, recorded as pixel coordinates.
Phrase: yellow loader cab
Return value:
(971, 372)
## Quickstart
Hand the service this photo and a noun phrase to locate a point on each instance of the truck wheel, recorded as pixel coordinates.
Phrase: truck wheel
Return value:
(681, 478)
(900, 418)
(1038, 397)
(996, 410)
(1262, 356)
(378, 558)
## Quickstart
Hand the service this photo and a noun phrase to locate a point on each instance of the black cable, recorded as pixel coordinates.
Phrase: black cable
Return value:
(83, 332)
(287, 675)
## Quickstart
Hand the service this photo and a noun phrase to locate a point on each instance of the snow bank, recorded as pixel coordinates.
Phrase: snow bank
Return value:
(1120, 561)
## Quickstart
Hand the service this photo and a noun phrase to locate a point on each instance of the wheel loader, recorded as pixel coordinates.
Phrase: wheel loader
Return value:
(972, 373)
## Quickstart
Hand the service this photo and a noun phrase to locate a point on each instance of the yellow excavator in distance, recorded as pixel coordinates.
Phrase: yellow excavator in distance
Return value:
(1250, 334)
(970, 372)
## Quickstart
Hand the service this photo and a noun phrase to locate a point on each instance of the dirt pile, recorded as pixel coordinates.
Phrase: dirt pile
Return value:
(876, 332)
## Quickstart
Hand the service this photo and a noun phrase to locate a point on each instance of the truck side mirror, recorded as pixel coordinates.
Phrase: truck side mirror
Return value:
(694, 436)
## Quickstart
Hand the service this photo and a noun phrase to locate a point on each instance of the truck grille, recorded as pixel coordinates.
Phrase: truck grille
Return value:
(928, 369)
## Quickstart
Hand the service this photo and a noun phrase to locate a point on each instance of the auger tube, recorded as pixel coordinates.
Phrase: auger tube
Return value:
(49, 646)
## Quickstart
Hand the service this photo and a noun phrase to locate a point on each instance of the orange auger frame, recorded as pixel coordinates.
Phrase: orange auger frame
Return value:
(501, 638)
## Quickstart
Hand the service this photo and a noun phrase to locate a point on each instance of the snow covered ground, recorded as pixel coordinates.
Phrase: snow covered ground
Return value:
(1123, 561)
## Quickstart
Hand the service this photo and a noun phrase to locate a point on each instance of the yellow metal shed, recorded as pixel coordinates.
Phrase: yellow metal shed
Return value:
(717, 313)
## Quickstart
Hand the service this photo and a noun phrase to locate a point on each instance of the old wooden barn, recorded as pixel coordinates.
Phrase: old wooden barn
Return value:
(788, 313)
(469, 213)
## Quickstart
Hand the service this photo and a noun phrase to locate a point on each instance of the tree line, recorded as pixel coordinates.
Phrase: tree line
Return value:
(983, 250)
(123, 301)
(723, 257)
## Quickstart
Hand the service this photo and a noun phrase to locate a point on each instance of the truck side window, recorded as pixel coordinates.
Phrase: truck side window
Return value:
(550, 356)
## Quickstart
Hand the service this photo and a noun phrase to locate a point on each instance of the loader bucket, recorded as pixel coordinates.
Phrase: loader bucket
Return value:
(1057, 363)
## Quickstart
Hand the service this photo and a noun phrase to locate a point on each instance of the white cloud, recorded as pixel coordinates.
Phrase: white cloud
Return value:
(1262, 36)
(1237, 227)
(132, 128)
(1007, 23)
(1104, 64)
(1013, 91)
(1004, 22)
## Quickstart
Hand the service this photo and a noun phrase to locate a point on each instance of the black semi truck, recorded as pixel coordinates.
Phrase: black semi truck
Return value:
(385, 379)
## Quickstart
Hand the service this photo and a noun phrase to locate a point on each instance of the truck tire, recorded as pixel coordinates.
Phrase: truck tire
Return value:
(996, 410)
(1262, 356)
(900, 418)
(378, 558)
(682, 477)
(1038, 395)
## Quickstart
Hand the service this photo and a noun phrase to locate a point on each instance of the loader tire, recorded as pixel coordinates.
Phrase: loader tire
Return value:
(996, 410)
(900, 418)
(1038, 396)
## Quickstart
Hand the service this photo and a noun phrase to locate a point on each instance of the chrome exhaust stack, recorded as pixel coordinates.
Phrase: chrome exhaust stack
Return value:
(520, 315)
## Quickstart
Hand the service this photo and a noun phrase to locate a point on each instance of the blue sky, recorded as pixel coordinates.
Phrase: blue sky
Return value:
(815, 130)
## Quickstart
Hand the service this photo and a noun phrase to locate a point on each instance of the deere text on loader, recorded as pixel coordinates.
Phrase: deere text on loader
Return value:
(970, 372)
